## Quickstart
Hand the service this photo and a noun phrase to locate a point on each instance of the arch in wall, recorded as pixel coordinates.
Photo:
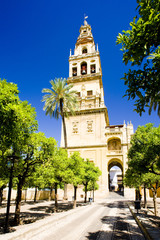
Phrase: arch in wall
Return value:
(115, 162)
(83, 68)
(114, 143)
(84, 50)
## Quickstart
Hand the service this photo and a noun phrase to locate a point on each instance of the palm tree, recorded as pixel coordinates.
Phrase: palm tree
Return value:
(60, 101)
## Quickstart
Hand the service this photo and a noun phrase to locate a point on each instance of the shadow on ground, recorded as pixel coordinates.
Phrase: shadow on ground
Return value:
(62, 206)
(25, 218)
(32, 214)
(95, 235)
(117, 228)
(114, 204)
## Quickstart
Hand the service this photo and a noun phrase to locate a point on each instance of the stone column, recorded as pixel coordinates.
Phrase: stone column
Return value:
(78, 69)
(102, 97)
(88, 67)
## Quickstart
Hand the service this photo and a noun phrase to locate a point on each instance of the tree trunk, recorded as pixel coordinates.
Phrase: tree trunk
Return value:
(65, 192)
(75, 197)
(56, 198)
(9, 198)
(50, 194)
(145, 198)
(64, 125)
(25, 195)
(18, 202)
(155, 201)
(85, 190)
(65, 141)
(1, 194)
(93, 194)
(35, 194)
(138, 194)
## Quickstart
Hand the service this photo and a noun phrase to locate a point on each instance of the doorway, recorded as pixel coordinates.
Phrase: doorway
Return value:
(115, 177)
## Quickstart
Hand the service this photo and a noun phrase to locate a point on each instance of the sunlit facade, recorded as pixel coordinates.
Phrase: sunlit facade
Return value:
(89, 131)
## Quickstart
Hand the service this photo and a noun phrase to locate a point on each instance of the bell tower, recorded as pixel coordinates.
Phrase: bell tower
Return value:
(85, 72)
(88, 131)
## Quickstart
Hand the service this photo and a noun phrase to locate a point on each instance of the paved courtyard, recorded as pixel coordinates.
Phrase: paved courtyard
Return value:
(105, 219)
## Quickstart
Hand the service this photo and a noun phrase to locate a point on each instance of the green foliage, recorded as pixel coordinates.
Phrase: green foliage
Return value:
(4, 173)
(132, 178)
(144, 160)
(18, 119)
(141, 48)
(151, 181)
(77, 170)
(144, 154)
(54, 169)
(136, 179)
(91, 173)
(32, 154)
(3, 182)
(90, 177)
(60, 98)
(60, 101)
(92, 186)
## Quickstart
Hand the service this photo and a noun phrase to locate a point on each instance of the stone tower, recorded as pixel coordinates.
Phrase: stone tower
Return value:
(89, 131)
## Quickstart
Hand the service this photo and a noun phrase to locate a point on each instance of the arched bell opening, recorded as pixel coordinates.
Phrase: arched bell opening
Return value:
(84, 50)
(115, 176)
(93, 68)
(83, 68)
(74, 71)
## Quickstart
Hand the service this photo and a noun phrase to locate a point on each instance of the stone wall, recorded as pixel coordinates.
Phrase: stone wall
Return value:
(29, 194)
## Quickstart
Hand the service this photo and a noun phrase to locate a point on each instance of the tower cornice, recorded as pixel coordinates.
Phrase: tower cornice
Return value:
(84, 78)
(87, 55)
(92, 111)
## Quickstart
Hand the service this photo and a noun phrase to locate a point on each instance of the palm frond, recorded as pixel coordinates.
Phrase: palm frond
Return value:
(60, 91)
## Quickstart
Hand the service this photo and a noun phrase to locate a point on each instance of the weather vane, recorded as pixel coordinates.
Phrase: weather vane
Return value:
(85, 17)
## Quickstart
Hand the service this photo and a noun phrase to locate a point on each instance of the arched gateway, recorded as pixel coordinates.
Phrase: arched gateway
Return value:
(115, 175)
(89, 131)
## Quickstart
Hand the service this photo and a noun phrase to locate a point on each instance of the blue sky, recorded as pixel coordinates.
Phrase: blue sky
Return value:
(36, 38)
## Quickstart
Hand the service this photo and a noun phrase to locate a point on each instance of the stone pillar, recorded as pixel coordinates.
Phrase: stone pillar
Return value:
(70, 70)
(78, 69)
(88, 67)
(102, 97)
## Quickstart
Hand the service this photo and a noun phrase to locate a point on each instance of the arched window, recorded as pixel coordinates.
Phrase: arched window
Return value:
(93, 68)
(89, 93)
(84, 68)
(84, 50)
(74, 71)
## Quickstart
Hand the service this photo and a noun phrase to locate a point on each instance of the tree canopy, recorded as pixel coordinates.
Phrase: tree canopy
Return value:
(18, 121)
(144, 152)
(59, 101)
(144, 160)
(141, 50)
(90, 177)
